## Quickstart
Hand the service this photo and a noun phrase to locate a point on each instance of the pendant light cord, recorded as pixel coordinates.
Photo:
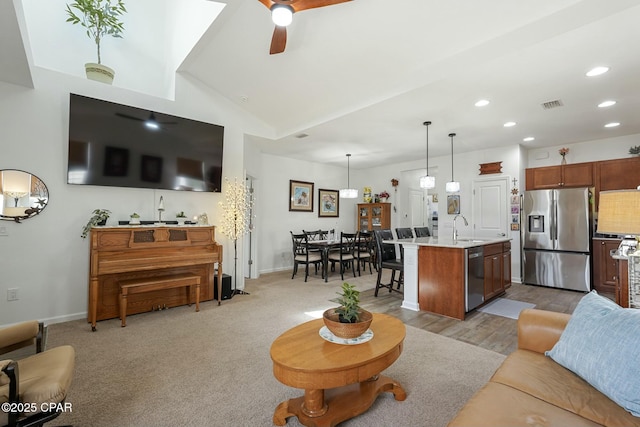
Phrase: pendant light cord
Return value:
(427, 125)
(452, 135)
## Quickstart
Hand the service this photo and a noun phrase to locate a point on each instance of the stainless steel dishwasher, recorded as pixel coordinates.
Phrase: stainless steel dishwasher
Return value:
(474, 281)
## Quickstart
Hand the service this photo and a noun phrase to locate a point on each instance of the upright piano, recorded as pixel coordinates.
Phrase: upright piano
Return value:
(141, 252)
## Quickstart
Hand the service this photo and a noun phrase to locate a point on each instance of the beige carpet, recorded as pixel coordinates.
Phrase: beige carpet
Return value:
(212, 368)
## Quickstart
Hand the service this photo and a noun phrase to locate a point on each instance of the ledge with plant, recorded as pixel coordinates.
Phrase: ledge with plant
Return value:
(101, 18)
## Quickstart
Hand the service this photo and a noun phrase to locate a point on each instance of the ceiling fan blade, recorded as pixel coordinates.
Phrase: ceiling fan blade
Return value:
(126, 116)
(300, 5)
(279, 40)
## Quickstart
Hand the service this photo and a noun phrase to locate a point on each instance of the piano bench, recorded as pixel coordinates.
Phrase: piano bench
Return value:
(149, 284)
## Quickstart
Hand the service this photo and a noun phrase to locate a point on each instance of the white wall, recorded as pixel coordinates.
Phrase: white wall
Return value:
(588, 151)
(44, 257)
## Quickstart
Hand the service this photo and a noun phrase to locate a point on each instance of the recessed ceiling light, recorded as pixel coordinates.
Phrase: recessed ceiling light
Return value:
(597, 71)
(509, 124)
(482, 103)
(528, 139)
(612, 125)
(606, 104)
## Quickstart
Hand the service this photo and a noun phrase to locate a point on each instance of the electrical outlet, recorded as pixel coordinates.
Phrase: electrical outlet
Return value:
(3, 231)
(12, 294)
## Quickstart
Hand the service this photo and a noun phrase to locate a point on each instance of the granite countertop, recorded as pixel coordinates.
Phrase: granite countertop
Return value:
(461, 242)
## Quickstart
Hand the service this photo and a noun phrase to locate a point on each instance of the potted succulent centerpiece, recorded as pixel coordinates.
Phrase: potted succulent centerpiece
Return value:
(99, 217)
(181, 217)
(349, 320)
(135, 218)
(100, 18)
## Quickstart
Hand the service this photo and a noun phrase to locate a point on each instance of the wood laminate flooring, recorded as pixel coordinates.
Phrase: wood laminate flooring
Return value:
(485, 330)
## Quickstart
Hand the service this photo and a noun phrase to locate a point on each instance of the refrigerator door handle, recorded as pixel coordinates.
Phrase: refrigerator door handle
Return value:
(553, 228)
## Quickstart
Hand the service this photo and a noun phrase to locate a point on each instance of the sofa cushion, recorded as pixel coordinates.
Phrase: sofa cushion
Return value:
(542, 378)
(498, 405)
(601, 344)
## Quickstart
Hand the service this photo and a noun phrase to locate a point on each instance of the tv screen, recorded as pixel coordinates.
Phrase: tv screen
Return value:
(123, 146)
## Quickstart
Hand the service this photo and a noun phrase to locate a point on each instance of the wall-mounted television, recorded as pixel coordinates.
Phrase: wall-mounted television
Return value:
(123, 146)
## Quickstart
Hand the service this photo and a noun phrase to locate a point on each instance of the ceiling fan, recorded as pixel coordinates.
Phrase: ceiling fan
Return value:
(151, 122)
(282, 14)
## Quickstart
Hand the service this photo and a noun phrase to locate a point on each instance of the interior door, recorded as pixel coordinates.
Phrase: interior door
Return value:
(490, 207)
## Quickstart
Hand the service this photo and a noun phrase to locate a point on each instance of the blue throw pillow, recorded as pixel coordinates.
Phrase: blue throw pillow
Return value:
(601, 344)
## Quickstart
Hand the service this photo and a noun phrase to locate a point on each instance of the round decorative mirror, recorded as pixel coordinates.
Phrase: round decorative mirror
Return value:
(22, 195)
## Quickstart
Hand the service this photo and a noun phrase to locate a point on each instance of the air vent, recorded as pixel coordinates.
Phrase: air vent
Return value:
(301, 135)
(552, 104)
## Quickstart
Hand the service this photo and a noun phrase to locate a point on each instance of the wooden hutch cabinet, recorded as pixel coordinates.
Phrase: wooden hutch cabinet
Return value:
(373, 216)
(562, 176)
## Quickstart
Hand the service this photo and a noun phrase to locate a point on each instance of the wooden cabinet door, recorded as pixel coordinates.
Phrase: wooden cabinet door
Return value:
(620, 174)
(492, 275)
(605, 268)
(506, 270)
(577, 175)
(364, 217)
(543, 178)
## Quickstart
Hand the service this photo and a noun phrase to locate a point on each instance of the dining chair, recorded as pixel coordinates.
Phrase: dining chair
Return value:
(302, 255)
(346, 255)
(365, 250)
(404, 233)
(422, 231)
(387, 259)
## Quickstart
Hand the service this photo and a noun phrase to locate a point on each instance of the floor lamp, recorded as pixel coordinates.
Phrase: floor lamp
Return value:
(235, 221)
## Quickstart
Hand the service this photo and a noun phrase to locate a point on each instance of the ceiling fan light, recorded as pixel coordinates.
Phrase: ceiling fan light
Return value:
(427, 182)
(152, 124)
(452, 187)
(348, 193)
(281, 14)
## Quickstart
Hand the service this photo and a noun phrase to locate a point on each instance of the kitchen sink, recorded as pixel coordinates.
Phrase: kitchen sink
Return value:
(471, 240)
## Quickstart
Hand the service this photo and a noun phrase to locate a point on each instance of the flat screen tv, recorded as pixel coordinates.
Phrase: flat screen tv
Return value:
(123, 146)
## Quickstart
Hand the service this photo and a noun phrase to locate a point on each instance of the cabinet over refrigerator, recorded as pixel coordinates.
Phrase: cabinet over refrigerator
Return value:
(556, 238)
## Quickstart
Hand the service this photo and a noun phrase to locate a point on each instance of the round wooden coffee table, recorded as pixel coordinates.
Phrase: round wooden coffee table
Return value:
(339, 381)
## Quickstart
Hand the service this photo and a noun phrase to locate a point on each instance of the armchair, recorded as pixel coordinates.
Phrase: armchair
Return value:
(36, 386)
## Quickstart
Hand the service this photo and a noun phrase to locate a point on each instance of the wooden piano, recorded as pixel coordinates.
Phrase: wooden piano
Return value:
(144, 252)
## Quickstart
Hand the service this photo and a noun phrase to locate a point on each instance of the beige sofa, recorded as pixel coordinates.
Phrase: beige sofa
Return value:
(530, 389)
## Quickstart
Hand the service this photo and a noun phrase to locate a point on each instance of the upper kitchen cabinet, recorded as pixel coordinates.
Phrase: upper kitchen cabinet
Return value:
(562, 176)
(620, 174)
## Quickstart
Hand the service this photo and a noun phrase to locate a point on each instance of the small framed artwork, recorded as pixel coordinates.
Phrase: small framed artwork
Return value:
(300, 196)
(453, 204)
(515, 200)
(515, 227)
(328, 203)
(151, 168)
(116, 161)
(515, 209)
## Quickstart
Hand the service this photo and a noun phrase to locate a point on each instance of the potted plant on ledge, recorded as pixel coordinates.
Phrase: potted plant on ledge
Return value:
(101, 18)
(135, 218)
(99, 217)
(181, 217)
(349, 320)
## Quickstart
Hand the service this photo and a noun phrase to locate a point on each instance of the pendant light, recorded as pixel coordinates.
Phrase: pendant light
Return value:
(348, 193)
(452, 186)
(427, 181)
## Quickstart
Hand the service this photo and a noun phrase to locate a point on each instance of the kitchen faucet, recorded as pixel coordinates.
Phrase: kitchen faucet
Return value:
(455, 231)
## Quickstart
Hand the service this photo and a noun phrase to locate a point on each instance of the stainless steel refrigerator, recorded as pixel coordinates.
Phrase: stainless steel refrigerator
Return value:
(556, 238)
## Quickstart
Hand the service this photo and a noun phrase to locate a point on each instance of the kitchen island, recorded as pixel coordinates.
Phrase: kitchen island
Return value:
(438, 277)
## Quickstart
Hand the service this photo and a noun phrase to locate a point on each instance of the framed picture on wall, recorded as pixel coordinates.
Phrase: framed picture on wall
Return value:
(453, 204)
(328, 203)
(300, 196)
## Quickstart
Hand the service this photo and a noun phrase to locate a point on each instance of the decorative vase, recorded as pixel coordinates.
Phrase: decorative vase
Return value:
(563, 161)
(346, 330)
(99, 72)
(134, 221)
(181, 220)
